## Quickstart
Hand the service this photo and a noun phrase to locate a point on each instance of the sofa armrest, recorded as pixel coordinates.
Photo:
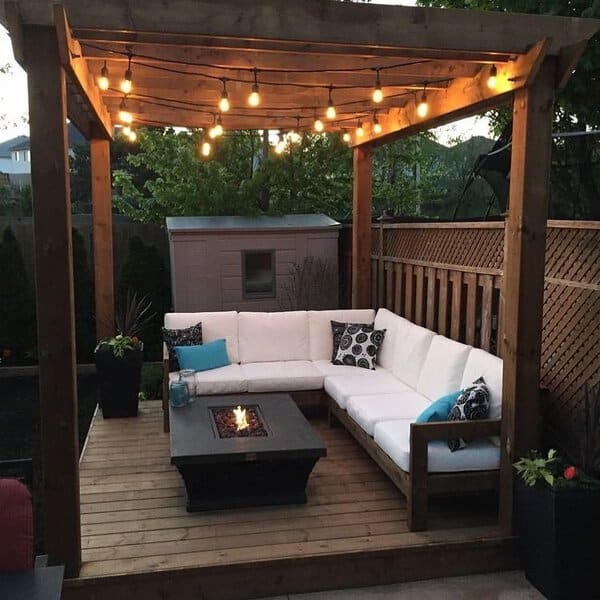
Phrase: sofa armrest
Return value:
(444, 430)
(165, 352)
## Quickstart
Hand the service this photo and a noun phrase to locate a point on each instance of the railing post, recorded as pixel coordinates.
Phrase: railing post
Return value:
(361, 227)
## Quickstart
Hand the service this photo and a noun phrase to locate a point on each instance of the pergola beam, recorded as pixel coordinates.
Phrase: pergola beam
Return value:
(76, 67)
(463, 97)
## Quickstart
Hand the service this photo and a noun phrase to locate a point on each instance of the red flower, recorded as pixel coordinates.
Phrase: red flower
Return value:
(134, 338)
(570, 472)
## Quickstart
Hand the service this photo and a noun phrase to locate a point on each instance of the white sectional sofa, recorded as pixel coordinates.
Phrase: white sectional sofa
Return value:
(291, 351)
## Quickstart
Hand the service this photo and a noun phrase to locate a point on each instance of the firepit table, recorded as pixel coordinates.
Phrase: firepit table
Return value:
(269, 462)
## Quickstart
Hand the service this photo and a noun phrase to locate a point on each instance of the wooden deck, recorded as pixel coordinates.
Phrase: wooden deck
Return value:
(138, 539)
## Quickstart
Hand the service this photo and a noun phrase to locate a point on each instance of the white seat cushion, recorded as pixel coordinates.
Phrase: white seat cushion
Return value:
(385, 319)
(393, 437)
(341, 387)
(274, 336)
(373, 408)
(486, 365)
(410, 349)
(224, 380)
(443, 368)
(282, 376)
(215, 325)
(326, 367)
(319, 326)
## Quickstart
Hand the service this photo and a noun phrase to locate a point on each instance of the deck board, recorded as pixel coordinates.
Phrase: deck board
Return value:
(134, 522)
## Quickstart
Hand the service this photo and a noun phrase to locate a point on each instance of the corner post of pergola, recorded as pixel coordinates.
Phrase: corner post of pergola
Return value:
(54, 296)
(523, 287)
(102, 236)
(362, 207)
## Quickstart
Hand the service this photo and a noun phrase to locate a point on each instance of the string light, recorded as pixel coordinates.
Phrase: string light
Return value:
(254, 97)
(294, 136)
(103, 80)
(124, 114)
(318, 125)
(205, 148)
(219, 126)
(331, 112)
(126, 130)
(423, 106)
(132, 136)
(347, 137)
(126, 84)
(493, 78)
(376, 124)
(280, 146)
(377, 92)
(224, 105)
(359, 129)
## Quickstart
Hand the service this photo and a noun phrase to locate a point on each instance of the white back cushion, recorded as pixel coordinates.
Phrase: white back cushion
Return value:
(410, 349)
(385, 319)
(443, 368)
(319, 327)
(486, 365)
(215, 325)
(273, 336)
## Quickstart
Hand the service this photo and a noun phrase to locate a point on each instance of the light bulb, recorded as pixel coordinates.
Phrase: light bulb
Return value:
(423, 106)
(377, 95)
(347, 137)
(294, 137)
(218, 129)
(493, 78)
(126, 84)
(254, 97)
(376, 126)
(126, 130)
(205, 149)
(330, 112)
(224, 102)
(212, 133)
(103, 81)
(124, 114)
(132, 136)
(319, 125)
(359, 129)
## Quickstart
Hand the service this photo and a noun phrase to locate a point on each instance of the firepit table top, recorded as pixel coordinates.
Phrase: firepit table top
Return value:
(194, 437)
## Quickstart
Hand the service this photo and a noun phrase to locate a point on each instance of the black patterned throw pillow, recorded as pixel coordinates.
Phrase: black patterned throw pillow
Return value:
(338, 328)
(359, 346)
(472, 404)
(190, 336)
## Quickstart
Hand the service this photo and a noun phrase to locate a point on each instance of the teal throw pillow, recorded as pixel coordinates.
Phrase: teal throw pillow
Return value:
(440, 409)
(204, 357)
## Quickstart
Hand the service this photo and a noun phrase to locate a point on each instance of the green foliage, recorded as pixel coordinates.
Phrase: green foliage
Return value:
(134, 315)
(151, 382)
(17, 311)
(120, 344)
(535, 467)
(144, 273)
(577, 105)
(84, 300)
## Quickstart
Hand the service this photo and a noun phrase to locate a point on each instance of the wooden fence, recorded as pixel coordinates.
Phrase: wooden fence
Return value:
(448, 278)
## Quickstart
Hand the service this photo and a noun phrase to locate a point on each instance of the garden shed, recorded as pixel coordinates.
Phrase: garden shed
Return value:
(250, 263)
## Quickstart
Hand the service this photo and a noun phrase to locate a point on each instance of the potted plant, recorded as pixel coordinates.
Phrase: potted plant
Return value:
(119, 360)
(558, 515)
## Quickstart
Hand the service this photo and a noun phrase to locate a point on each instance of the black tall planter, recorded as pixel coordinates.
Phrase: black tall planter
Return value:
(560, 540)
(118, 381)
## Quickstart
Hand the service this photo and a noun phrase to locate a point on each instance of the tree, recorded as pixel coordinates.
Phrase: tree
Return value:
(83, 285)
(17, 311)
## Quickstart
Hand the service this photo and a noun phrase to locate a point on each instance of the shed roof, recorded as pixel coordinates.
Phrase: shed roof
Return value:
(260, 223)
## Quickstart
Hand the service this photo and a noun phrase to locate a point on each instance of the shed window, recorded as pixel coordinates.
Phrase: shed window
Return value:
(258, 276)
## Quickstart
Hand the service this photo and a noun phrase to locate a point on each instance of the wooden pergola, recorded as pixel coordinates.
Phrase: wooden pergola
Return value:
(183, 54)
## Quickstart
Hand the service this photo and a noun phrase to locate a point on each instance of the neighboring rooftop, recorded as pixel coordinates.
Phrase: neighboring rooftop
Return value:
(9, 145)
(22, 142)
(258, 223)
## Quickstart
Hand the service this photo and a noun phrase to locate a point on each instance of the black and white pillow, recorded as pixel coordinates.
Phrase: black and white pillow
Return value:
(337, 330)
(472, 404)
(359, 346)
(190, 336)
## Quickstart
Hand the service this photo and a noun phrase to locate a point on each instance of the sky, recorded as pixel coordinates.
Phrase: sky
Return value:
(13, 97)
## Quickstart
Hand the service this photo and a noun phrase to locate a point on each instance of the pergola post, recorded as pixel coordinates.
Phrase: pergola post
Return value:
(102, 235)
(362, 206)
(523, 288)
(54, 296)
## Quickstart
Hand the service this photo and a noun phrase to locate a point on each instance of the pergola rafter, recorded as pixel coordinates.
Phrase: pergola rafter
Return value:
(184, 48)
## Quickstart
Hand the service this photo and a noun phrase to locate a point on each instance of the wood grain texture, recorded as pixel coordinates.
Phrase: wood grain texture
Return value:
(361, 228)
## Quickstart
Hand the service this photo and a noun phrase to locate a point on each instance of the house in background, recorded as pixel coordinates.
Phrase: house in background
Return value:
(15, 157)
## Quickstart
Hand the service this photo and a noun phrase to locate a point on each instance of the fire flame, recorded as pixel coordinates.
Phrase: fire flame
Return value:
(240, 418)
